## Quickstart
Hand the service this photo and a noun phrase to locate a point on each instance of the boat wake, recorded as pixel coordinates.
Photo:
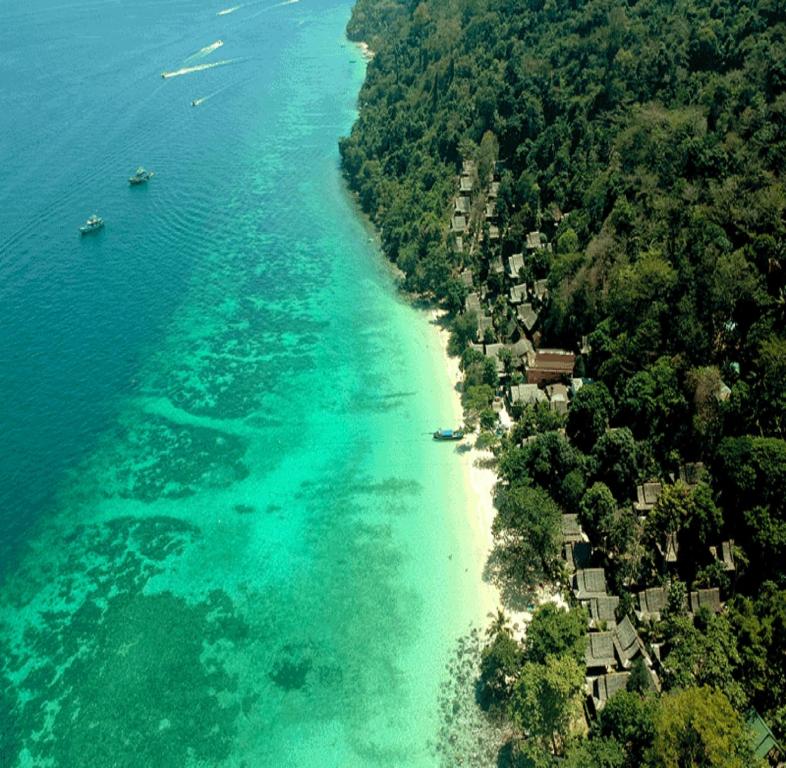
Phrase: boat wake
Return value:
(196, 68)
(227, 11)
(270, 7)
(202, 99)
(206, 51)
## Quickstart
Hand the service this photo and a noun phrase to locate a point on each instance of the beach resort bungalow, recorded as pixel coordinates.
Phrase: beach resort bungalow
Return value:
(465, 278)
(496, 267)
(599, 654)
(491, 211)
(493, 233)
(515, 264)
(473, 303)
(605, 686)
(571, 529)
(589, 583)
(492, 351)
(558, 398)
(459, 224)
(534, 241)
(493, 190)
(576, 554)
(647, 496)
(461, 206)
(485, 327)
(603, 611)
(527, 394)
(651, 603)
(765, 747)
(518, 293)
(627, 644)
(692, 473)
(527, 316)
(523, 352)
(706, 598)
(541, 289)
(551, 366)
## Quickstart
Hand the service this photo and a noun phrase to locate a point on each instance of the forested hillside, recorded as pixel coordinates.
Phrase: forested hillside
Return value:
(644, 142)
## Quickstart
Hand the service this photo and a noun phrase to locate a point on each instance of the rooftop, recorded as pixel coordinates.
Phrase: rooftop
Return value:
(527, 394)
(626, 641)
(590, 582)
(518, 293)
(528, 316)
(605, 686)
(604, 609)
(652, 602)
(706, 598)
(647, 495)
(541, 288)
(571, 529)
(515, 263)
(600, 650)
(533, 241)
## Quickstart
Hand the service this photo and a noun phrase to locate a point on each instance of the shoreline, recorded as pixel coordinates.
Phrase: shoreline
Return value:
(480, 483)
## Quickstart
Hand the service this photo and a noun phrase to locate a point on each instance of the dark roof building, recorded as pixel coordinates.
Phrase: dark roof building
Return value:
(528, 316)
(558, 398)
(706, 598)
(647, 496)
(600, 651)
(589, 583)
(526, 394)
(603, 610)
(518, 293)
(571, 529)
(652, 602)
(605, 686)
(627, 644)
(515, 263)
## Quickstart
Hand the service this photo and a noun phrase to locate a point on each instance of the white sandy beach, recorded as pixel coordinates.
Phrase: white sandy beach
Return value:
(481, 482)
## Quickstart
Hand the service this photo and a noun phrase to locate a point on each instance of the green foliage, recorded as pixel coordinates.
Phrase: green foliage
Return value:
(555, 631)
(500, 664)
(463, 330)
(527, 531)
(698, 727)
(629, 720)
(751, 475)
(589, 415)
(704, 653)
(546, 700)
(546, 461)
(616, 462)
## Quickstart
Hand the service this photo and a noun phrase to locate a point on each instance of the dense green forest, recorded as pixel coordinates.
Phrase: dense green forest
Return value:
(646, 141)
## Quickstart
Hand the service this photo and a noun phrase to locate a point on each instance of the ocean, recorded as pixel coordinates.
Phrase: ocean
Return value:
(226, 537)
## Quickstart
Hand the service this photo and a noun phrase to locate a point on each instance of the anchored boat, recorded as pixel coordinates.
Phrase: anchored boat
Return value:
(141, 176)
(93, 224)
(449, 434)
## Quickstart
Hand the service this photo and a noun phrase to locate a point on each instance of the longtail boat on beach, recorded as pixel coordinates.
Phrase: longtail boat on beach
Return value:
(449, 434)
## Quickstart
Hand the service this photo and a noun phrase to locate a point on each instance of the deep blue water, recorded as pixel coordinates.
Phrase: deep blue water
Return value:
(225, 536)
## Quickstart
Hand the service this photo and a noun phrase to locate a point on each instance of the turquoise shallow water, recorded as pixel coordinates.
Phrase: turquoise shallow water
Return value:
(225, 536)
